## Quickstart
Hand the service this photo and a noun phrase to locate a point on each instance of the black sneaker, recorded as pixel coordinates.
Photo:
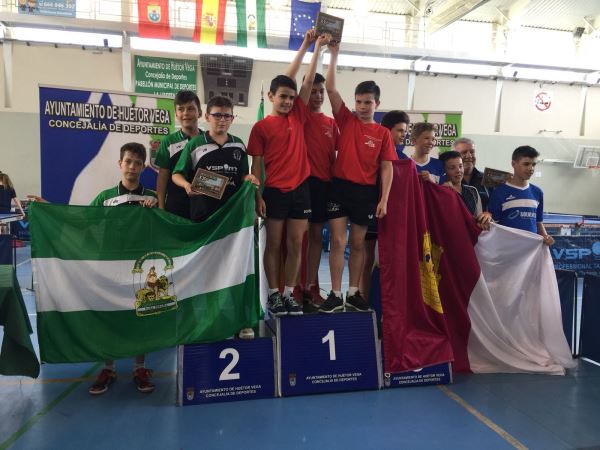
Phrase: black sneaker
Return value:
(356, 302)
(275, 305)
(292, 307)
(332, 303)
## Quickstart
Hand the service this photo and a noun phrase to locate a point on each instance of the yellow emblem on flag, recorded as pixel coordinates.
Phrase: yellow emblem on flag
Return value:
(154, 13)
(430, 278)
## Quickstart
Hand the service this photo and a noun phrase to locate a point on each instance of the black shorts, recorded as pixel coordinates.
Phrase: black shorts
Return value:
(294, 204)
(319, 196)
(356, 201)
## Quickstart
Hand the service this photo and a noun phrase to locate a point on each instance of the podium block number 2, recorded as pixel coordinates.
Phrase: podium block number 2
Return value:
(330, 338)
(235, 358)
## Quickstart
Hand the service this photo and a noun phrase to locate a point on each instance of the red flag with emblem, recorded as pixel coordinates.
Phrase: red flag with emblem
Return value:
(153, 19)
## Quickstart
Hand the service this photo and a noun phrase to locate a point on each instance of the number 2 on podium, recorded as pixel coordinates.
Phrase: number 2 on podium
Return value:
(235, 357)
(330, 337)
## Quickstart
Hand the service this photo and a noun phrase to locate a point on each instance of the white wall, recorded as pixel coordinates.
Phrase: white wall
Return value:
(566, 189)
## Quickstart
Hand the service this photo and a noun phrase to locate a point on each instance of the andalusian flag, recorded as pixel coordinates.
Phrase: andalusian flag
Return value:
(251, 23)
(210, 21)
(113, 282)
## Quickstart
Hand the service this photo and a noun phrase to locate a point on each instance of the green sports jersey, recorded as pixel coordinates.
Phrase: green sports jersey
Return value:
(229, 159)
(119, 195)
(168, 154)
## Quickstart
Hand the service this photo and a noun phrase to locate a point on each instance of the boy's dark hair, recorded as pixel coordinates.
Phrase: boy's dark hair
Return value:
(451, 154)
(391, 118)
(319, 78)
(135, 148)
(219, 102)
(368, 87)
(282, 81)
(183, 97)
(421, 127)
(524, 151)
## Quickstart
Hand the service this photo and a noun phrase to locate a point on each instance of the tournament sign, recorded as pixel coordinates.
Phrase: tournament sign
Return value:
(448, 127)
(82, 131)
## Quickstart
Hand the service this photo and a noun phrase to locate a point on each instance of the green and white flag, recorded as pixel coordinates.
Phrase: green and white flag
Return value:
(251, 23)
(113, 282)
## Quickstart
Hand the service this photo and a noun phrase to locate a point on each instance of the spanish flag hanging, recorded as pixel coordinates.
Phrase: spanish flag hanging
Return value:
(153, 19)
(210, 21)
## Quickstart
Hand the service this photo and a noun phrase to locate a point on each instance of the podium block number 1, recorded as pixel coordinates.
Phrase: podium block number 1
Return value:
(330, 337)
(235, 358)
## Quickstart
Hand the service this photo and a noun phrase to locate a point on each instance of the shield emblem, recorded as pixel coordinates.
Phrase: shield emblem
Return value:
(292, 379)
(387, 380)
(154, 13)
(189, 394)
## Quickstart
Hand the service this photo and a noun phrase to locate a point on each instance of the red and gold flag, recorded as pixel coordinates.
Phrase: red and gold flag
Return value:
(210, 21)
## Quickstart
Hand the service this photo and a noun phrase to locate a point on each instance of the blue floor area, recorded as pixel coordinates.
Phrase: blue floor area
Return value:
(498, 411)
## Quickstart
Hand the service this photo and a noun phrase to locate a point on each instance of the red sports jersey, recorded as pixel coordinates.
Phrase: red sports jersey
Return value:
(321, 135)
(361, 148)
(280, 140)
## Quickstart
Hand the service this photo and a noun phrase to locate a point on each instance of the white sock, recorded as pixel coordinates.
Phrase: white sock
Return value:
(287, 291)
(338, 294)
(352, 290)
(272, 291)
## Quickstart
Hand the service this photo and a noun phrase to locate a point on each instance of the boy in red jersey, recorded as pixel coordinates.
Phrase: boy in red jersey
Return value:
(320, 134)
(278, 140)
(365, 149)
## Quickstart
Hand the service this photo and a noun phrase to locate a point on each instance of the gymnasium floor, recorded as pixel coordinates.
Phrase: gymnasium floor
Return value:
(476, 412)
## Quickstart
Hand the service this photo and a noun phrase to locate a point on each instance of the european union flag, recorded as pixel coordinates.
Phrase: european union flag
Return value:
(304, 16)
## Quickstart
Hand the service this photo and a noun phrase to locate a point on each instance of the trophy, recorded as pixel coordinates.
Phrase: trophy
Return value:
(328, 24)
(209, 183)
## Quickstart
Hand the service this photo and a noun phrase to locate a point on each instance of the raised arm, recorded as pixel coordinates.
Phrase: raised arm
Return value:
(312, 69)
(334, 96)
(294, 66)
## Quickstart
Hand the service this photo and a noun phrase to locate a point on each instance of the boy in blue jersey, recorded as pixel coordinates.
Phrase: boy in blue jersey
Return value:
(423, 138)
(519, 204)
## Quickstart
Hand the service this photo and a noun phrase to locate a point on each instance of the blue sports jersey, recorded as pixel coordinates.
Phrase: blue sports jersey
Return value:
(435, 167)
(517, 207)
(400, 151)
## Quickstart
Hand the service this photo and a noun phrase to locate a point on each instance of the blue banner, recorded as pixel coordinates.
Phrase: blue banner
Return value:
(304, 16)
(81, 133)
(60, 8)
(578, 253)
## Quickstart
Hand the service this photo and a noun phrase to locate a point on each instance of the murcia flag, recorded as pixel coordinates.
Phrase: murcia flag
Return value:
(113, 282)
(153, 19)
(210, 21)
(498, 290)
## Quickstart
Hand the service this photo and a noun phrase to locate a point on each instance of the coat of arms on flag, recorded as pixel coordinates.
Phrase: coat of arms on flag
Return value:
(154, 13)
(209, 20)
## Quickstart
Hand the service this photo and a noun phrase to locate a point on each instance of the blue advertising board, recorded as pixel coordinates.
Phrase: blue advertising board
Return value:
(438, 374)
(327, 353)
(578, 253)
(226, 371)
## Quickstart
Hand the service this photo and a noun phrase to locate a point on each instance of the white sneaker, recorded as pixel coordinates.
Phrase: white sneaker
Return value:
(246, 333)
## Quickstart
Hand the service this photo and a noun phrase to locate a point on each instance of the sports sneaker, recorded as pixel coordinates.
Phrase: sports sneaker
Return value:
(103, 381)
(275, 305)
(298, 295)
(332, 303)
(246, 333)
(356, 302)
(291, 306)
(141, 377)
(314, 296)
